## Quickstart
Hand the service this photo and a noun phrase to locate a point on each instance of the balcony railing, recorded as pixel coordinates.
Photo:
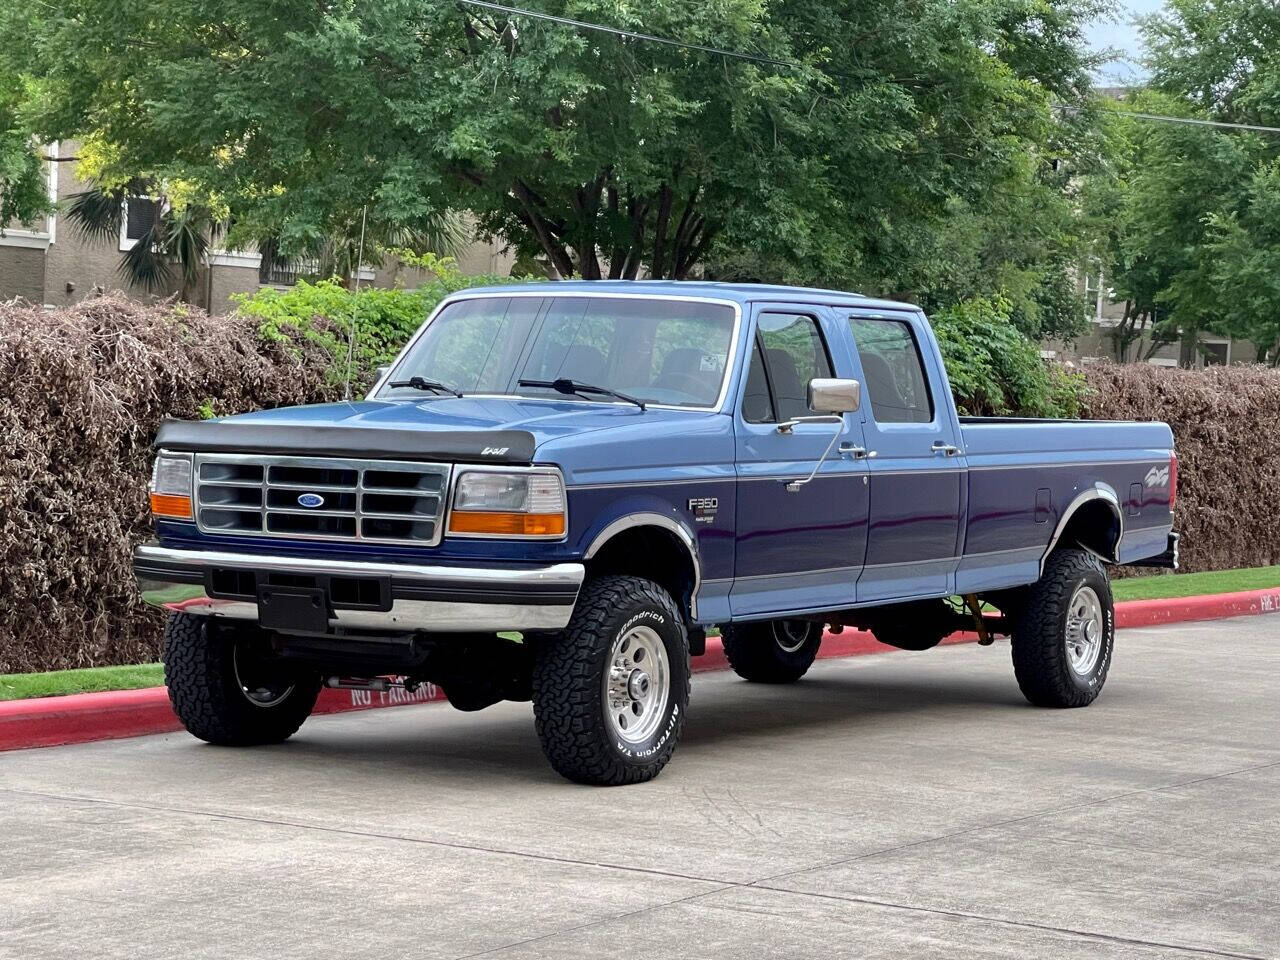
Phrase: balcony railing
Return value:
(280, 274)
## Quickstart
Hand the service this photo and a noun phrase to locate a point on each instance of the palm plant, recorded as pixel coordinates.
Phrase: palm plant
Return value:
(358, 241)
(179, 237)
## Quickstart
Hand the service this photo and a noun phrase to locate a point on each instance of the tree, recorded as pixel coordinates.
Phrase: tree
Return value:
(1153, 205)
(1244, 252)
(24, 193)
(606, 155)
(1192, 243)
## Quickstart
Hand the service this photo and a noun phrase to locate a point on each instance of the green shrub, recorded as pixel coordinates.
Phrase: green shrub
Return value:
(322, 313)
(995, 370)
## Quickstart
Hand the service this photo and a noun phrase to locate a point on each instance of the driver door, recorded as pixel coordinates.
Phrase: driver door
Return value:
(800, 550)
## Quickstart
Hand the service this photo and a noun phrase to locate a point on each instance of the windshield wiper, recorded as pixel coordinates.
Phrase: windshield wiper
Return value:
(419, 383)
(569, 387)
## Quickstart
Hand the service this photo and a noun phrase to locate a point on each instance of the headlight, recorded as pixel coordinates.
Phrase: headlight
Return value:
(171, 487)
(527, 504)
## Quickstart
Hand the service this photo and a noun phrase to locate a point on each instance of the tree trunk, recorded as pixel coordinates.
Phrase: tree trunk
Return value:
(531, 217)
(1187, 352)
(660, 232)
(1123, 335)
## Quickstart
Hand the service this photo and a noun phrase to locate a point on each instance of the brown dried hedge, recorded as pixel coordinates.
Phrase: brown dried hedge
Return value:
(1226, 427)
(82, 392)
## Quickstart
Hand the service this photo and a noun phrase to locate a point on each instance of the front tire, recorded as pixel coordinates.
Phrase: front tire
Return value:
(1064, 635)
(611, 691)
(227, 689)
(775, 651)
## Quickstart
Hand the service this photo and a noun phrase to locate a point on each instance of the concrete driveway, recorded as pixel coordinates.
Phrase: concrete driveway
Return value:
(905, 805)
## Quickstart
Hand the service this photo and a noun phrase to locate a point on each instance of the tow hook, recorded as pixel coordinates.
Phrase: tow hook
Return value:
(985, 638)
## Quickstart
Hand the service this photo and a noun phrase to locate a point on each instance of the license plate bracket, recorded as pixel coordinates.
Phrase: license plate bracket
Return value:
(293, 609)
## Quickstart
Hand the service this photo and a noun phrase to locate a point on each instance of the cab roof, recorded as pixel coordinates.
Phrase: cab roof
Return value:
(742, 293)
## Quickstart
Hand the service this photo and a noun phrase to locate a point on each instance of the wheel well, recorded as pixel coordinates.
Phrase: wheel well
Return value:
(652, 553)
(1094, 526)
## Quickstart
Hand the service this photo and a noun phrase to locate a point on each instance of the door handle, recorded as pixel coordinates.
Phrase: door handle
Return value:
(947, 449)
(857, 452)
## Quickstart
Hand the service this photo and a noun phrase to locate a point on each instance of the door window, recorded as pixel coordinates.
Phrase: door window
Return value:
(757, 403)
(894, 373)
(789, 352)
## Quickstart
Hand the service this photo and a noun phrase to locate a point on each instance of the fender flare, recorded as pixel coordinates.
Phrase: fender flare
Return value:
(671, 525)
(1098, 492)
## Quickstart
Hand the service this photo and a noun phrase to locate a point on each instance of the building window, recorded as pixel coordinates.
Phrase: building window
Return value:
(1216, 353)
(140, 216)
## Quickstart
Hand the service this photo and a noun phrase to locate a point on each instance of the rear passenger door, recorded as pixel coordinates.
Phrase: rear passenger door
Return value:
(798, 550)
(917, 469)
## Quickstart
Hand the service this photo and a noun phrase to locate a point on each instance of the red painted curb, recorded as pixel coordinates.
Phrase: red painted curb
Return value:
(1150, 613)
(85, 717)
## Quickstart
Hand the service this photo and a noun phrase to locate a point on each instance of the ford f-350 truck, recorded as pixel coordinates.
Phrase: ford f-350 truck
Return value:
(558, 489)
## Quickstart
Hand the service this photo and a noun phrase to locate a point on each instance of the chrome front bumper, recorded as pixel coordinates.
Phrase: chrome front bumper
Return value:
(406, 596)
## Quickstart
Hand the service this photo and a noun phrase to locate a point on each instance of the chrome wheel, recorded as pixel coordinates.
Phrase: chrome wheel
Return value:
(637, 685)
(1086, 627)
(254, 678)
(790, 635)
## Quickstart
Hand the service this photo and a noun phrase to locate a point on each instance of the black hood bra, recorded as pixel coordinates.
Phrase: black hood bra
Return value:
(377, 443)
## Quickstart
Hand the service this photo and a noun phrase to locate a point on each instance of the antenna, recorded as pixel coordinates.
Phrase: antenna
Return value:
(351, 334)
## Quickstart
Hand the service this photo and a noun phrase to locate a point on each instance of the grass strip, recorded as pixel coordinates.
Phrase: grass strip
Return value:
(22, 686)
(1171, 585)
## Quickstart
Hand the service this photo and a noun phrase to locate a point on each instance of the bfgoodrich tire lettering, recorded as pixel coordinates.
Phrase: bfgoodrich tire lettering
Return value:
(206, 668)
(1064, 635)
(587, 676)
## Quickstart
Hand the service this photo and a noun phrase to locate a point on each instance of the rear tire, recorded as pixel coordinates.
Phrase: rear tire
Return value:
(610, 693)
(775, 651)
(1064, 634)
(227, 689)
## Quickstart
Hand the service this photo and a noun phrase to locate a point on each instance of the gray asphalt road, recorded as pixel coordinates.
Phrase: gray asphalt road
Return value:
(906, 805)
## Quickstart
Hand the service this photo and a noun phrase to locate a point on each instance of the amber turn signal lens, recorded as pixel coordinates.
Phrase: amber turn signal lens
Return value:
(165, 505)
(507, 524)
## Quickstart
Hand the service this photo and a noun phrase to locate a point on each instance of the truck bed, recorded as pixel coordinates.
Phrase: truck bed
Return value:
(1025, 476)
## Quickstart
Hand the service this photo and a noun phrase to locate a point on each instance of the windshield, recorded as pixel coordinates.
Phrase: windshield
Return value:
(659, 351)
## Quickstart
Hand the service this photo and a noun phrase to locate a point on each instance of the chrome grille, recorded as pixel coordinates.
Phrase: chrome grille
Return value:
(379, 501)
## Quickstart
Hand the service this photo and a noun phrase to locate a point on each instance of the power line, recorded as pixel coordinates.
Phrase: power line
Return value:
(618, 32)
(795, 65)
(1161, 118)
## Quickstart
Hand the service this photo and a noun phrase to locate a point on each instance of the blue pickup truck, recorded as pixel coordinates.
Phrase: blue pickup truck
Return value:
(557, 490)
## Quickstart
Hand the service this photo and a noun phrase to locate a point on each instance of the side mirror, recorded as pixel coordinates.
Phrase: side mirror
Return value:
(381, 372)
(831, 396)
(830, 399)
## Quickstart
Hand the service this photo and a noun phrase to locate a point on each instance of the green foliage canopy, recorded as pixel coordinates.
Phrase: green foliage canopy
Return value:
(325, 313)
(1187, 215)
(24, 192)
(996, 371)
(867, 163)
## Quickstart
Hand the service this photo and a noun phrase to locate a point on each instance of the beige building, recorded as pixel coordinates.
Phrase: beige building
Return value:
(51, 263)
(1098, 345)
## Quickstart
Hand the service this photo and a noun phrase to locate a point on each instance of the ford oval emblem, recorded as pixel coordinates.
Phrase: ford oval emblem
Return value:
(311, 500)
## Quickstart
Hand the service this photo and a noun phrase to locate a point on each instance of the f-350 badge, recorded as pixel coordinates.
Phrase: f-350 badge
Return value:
(704, 509)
